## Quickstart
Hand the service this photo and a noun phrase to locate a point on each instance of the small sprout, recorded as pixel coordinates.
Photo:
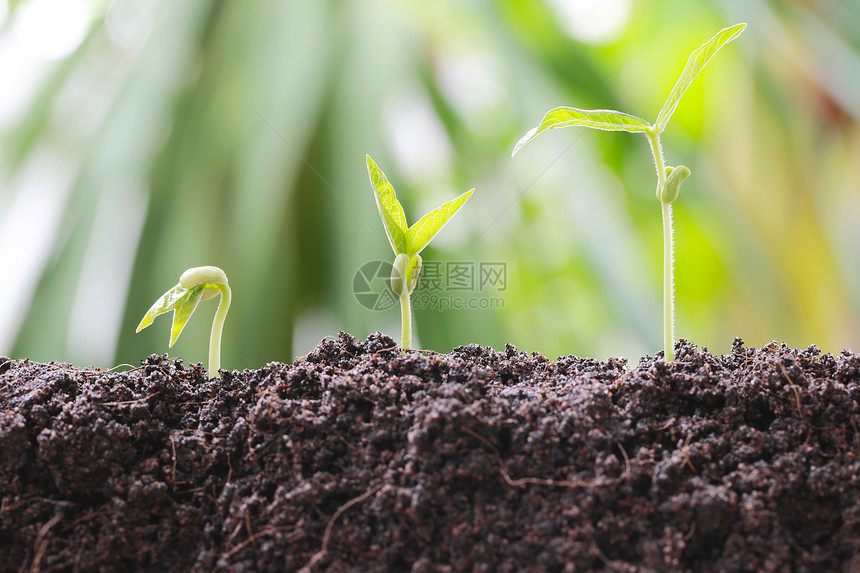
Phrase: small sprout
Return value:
(406, 241)
(195, 284)
(669, 179)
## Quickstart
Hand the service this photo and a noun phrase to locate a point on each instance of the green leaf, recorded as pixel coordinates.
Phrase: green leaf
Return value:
(183, 310)
(181, 301)
(426, 228)
(695, 63)
(393, 217)
(605, 119)
(167, 302)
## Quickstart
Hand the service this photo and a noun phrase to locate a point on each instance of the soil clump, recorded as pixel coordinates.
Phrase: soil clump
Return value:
(358, 457)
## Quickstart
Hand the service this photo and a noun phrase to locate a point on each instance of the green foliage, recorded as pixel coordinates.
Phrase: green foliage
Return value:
(697, 60)
(403, 238)
(422, 232)
(604, 119)
(407, 242)
(195, 284)
(393, 217)
(177, 300)
(669, 179)
(613, 120)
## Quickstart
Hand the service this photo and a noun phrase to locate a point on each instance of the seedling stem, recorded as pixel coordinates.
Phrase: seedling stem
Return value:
(668, 247)
(218, 328)
(406, 320)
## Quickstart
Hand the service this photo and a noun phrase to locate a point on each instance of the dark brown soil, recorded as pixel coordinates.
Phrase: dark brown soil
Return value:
(360, 458)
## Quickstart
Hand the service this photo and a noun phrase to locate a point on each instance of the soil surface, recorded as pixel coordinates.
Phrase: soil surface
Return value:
(360, 458)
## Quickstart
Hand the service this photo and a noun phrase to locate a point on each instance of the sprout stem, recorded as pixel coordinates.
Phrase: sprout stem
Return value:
(406, 319)
(217, 328)
(668, 248)
(668, 284)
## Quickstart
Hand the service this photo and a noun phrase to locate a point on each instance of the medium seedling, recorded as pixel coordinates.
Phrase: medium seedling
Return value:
(407, 242)
(669, 179)
(195, 284)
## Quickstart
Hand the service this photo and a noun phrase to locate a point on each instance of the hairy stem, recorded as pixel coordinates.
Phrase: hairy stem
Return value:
(668, 249)
(668, 284)
(406, 319)
(217, 329)
(657, 153)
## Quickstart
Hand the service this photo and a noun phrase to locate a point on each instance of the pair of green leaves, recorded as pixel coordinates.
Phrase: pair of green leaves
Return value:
(612, 120)
(195, 284)
(404, 239)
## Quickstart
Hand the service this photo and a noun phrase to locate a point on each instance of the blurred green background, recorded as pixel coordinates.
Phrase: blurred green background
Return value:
(143, 137)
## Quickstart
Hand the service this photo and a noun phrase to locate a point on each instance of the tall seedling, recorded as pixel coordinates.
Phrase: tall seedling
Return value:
(669, 179)
(406, 241)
